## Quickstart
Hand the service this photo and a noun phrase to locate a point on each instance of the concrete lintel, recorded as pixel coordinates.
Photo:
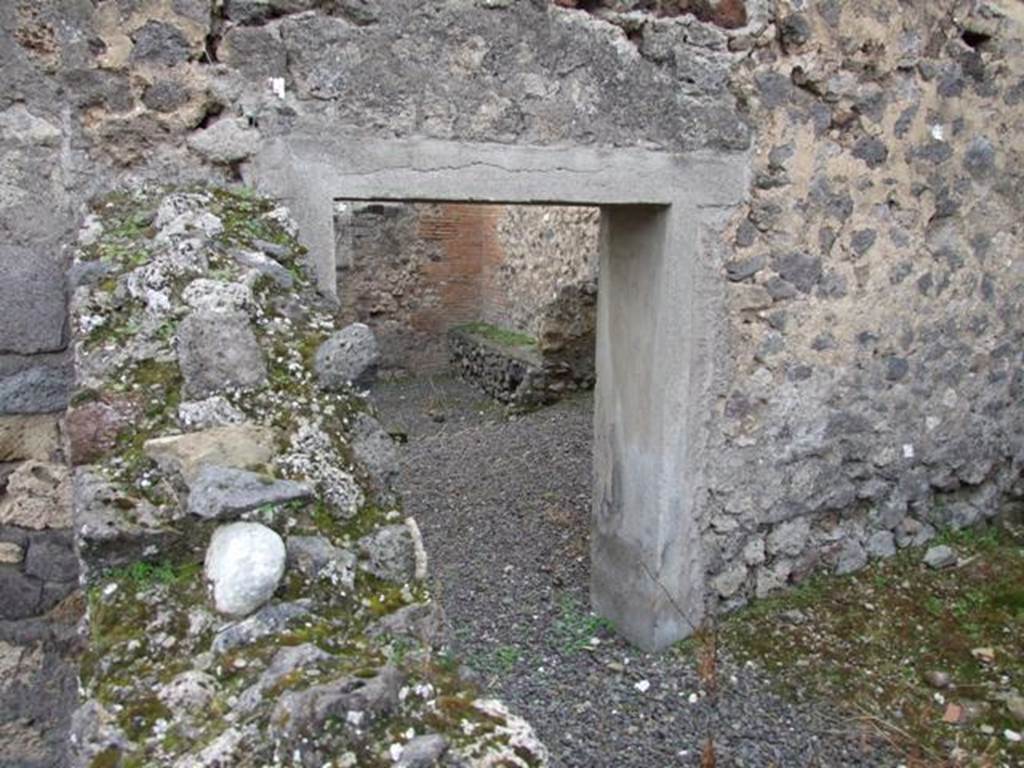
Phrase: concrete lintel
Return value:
(309, 172)
(468, 172)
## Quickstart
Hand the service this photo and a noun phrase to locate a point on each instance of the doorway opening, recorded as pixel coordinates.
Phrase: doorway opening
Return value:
(477, 309)
(657, 322)
(646, 575)
(657, 319)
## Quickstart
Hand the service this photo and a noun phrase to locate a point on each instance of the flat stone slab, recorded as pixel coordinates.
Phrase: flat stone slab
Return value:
(32, 311)
(240, 446)
(939, 557)
(51, 557)
(114, 528)
(389, 553)
(317, 558)
(22, 595)
(214, 411)
(422, 751)
(267, 621)
(40, 389)
(421, 621)
(29, 437)
(38, 496)
(93, 428)
(299, 712)
(286, 661)
(222, 493)
(375, 450)
(11, 553)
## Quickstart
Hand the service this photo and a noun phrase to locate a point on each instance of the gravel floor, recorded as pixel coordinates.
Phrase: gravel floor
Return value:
(504, 504)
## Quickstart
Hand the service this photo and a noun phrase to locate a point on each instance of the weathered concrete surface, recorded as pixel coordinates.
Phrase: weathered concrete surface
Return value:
(647, 563)
(310, 172)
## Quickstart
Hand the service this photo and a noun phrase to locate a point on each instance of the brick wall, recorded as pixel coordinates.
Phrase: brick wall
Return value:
(413, 271)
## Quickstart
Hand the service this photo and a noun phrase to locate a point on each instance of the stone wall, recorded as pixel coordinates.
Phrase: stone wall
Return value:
(866, 376)
(39, 605)
(253, 589)
(870, 373)
(517, 372)
(39, 602)
(545, 249)
(413, 271)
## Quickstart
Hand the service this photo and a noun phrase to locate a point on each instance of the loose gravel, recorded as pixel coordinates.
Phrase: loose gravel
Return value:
(503, 503)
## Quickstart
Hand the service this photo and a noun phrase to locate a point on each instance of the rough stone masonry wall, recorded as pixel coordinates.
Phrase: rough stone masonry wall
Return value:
(412, 271)
(513, 371)
(509, 374)
(39, 603)
(872, 381)
(178, 90)
(254, 594)
(868, 368)
(544, 249)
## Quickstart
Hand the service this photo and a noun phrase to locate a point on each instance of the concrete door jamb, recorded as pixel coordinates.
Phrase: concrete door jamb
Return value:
(654, 325)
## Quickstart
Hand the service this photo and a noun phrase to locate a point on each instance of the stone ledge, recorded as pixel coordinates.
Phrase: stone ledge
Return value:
(517, 375)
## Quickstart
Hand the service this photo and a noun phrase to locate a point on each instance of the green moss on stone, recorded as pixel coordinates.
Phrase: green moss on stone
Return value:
(503, 336)
(108, 758)
(124, 665)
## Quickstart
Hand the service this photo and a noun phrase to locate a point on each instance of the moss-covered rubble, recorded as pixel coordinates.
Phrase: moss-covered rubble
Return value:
(324, 674)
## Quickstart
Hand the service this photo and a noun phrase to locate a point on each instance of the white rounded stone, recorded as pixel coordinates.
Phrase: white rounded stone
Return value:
(244, 565)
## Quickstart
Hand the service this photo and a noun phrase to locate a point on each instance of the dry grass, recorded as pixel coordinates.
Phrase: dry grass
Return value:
(708, 758)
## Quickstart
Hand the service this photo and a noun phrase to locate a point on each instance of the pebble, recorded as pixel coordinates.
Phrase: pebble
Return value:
(984, 655)
(936, 678)
(939, 557)
(1015, 706)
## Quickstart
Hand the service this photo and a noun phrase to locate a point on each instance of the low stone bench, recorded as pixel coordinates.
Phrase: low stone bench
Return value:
(510, 367)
